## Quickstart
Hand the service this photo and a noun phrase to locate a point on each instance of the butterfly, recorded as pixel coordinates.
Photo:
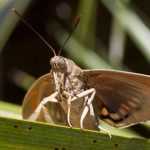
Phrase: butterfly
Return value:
(120, 98)
(80, 98)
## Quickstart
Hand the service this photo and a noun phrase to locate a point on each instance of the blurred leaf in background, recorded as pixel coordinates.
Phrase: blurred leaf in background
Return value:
(7, 25)
(7, 19)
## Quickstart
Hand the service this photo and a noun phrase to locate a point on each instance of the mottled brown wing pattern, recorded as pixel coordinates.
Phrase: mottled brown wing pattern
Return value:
(125, 96)
(41, 88)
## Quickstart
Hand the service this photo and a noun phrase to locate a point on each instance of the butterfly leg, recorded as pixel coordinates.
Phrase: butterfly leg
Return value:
(88, 104)
(41, 106)
(68, 112)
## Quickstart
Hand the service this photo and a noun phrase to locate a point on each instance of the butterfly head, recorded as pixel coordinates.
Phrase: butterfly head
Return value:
(58, 64)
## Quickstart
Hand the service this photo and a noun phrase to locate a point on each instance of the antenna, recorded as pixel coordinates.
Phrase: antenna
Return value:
(33, 30)
(76, 22)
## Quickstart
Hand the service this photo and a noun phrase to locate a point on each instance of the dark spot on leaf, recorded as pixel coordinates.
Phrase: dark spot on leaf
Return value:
(29, 128)
(116, 145)
(15, 126)
(56, 148)
(94, 141)
(63, 148)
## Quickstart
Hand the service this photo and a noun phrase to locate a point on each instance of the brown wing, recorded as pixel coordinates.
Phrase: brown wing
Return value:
(125, 96)
(41, 88)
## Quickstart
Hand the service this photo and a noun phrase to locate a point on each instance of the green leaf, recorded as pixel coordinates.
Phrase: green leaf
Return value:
(24, 135)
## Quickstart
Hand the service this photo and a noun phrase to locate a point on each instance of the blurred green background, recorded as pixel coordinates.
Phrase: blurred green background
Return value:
(111, 34)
